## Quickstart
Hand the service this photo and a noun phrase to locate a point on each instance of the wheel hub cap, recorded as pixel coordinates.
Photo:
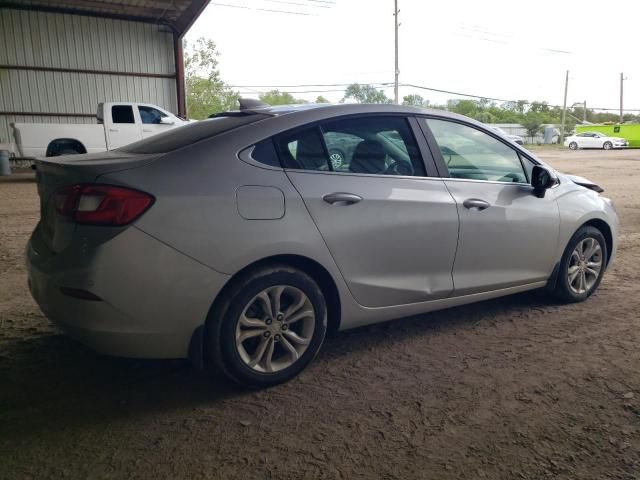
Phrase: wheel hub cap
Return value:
(275, 328)
(585, 265)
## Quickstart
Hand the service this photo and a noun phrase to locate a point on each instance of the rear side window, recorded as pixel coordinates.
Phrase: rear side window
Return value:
(122, 114)
(303, 149)
(377, 145)
(186, 135)
(265, 152)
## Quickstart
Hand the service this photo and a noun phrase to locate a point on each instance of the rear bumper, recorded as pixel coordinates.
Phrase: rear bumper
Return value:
(152, 298)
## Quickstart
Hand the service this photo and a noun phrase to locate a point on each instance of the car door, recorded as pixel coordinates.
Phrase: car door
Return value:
(591, 140)
(391, 229)
(508, 236)
(599, 140)
(122, 127)
(152, 120)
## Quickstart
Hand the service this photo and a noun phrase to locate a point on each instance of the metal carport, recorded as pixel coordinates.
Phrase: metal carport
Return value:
(58, 59)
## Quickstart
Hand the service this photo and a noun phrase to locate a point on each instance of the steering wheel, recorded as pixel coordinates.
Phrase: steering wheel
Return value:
(399, 168)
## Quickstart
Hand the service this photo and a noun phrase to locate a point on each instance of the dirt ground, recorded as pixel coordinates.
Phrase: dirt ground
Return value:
(519, 387)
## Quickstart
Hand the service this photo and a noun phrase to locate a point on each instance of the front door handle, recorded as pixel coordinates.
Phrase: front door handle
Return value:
(341, 198)
(475, 204)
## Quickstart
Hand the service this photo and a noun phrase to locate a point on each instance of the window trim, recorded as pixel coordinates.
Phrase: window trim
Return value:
(426, 156)
(443, 170)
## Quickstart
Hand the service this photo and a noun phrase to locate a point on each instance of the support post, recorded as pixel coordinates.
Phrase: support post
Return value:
(396, 71)
(180, 85)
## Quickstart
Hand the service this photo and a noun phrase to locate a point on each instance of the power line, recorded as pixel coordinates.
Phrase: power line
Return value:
(269, 10)
(450, 92)
(309, 85)
(300, 4)
(410, 85)
(296, 92)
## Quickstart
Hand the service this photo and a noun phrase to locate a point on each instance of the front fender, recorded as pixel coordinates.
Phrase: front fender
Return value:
(579, 206)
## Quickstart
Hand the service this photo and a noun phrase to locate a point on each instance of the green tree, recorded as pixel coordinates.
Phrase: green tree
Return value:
(532, 122)
(365, 94)
(276, 97)
(321, 99)
(463, 107)
(485, 117)
(539, 107)
(206, 92)
(415, 100)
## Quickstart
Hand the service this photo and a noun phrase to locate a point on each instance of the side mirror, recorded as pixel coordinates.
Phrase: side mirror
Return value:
(541, 180)
(166, 121)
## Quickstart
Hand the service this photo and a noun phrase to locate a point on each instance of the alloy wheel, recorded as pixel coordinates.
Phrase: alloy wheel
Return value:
(585, 265)
(275, 328)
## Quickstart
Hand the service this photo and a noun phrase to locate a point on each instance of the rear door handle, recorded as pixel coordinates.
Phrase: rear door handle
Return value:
(475, 204)
(341, 198)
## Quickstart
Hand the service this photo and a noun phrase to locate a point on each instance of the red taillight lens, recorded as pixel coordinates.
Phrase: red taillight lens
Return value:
(102, 204)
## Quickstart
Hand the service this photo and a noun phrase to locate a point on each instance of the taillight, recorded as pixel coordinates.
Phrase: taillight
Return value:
(102, 204)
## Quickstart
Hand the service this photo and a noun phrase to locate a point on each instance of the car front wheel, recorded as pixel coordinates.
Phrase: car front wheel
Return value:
(268, 326)
(607, 145)
(582, 266)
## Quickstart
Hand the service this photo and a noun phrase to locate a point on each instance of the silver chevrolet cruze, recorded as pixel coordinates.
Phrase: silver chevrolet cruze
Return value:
(239, 241)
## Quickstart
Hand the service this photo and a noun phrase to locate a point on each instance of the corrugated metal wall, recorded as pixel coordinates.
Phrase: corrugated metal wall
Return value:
(52, 40)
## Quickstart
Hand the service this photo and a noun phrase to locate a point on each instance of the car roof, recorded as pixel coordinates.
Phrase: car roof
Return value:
(329, 110)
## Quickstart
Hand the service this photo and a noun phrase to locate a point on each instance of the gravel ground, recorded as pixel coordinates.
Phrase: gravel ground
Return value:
(518, 387)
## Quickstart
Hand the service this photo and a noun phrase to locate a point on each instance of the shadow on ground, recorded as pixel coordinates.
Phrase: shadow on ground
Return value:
(54, 382)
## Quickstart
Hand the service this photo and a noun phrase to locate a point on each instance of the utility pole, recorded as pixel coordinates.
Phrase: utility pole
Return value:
(621, 97)
(396, 71)
(584, 114)
(564, 108)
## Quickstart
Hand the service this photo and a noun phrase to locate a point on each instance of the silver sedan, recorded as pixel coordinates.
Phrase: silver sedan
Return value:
(239, 242)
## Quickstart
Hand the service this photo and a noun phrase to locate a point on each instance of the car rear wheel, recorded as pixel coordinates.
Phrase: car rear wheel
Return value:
(582, 266)
(573, 146)
(607, 145)
(267, 328)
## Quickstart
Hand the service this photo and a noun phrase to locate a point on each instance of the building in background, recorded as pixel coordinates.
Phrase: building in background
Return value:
(59, 59)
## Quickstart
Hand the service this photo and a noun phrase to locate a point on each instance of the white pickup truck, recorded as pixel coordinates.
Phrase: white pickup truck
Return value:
(119, 123)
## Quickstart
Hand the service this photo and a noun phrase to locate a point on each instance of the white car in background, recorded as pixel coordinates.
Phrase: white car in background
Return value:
(594, 140)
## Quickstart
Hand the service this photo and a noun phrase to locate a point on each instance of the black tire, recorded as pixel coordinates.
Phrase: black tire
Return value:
(221, 352)
(607, 146)
(562, 289)
(573, 146)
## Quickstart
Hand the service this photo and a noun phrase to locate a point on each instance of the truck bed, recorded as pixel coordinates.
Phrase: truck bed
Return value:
(32, 139)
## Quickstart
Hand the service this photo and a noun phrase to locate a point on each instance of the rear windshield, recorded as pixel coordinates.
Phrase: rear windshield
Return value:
(188, 134)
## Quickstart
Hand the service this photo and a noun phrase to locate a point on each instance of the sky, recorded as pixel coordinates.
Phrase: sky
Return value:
(504, 49)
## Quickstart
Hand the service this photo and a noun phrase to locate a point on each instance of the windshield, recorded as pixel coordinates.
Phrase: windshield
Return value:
(188, 134)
